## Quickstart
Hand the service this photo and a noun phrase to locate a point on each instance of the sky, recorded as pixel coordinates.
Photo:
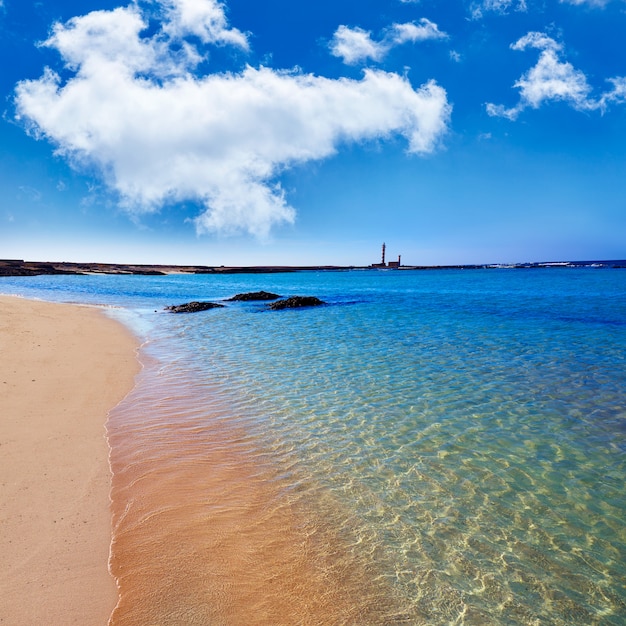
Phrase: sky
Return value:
(309, 133)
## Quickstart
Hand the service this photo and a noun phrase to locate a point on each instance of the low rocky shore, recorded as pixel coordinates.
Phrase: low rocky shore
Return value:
(18, 267)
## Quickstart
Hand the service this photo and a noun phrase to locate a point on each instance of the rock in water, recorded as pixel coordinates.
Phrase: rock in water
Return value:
(193, 307)
(296, 302)
(253, 295)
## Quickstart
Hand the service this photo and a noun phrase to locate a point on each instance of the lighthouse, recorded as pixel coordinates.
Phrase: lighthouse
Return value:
(383, 264)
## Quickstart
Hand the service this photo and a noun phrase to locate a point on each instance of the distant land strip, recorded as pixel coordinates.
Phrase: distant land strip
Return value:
(19, 267)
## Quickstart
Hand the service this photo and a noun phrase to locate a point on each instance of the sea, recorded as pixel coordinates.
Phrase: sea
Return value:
(429, 447)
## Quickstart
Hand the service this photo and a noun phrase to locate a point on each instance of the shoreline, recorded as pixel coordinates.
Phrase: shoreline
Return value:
(64, 367)
(19, 267)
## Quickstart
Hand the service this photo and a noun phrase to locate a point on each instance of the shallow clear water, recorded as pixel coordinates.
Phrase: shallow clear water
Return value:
(432, 447)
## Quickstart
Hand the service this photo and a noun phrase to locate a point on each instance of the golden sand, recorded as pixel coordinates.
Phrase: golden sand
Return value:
(62, 368)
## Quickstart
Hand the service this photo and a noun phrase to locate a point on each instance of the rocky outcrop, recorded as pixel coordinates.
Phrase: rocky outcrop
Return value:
(253, 295)
(295, 302)
(193, 307)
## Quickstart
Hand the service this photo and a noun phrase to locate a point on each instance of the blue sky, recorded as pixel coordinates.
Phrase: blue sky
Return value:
(236, 133)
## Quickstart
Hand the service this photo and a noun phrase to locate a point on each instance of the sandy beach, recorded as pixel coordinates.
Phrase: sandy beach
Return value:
(63, 368)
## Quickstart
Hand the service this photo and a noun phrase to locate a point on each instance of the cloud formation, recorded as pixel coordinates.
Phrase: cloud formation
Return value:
(552, 79)
(502, 7)
(591, 3)
(355, 45)
(203, 18)
(134, 108)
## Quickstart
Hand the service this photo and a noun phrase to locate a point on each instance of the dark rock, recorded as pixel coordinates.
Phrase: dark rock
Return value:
(253, 295)
(295, 302)
(193, 307)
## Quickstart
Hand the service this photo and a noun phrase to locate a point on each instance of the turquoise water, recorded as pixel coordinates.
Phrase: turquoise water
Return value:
(461, 434)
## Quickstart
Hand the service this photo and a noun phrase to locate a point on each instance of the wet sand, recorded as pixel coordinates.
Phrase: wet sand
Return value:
(62, 368)
(209, 527)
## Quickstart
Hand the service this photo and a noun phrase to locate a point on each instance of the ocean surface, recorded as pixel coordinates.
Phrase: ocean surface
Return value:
(430, 447)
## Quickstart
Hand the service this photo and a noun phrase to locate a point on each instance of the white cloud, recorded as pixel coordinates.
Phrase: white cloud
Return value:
(110, 35)
(534, 39)
(30, 192)
(355, 45)
(158, 133)
(203, 18)
(401, 33)
(502, 7)
(552, 79)
(617, 95)
(591, 3)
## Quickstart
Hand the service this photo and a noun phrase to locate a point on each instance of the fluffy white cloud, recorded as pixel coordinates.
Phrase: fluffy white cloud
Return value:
(401, 33)
(355, 45)
(537, 40)
(111, 36)
(158, 133)
(203, 18)
(552, 79)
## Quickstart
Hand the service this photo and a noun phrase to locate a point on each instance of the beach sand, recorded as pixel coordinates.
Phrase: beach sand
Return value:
(62, 368)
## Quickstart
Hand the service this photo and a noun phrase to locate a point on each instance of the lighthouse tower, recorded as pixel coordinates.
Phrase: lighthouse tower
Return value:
(383, 264)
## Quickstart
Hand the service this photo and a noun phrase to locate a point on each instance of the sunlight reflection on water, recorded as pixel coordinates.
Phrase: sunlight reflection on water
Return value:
(466, 465)
(429, 448)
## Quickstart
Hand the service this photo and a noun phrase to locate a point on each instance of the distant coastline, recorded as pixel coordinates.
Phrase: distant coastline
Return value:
(19, 267)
